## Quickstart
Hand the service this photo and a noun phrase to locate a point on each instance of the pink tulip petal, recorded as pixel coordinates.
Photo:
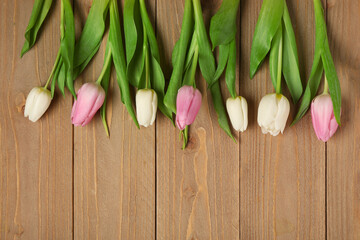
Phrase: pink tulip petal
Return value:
(323, 119)
(194, 107)
(188, 103)
(88, 100)
(99, 102)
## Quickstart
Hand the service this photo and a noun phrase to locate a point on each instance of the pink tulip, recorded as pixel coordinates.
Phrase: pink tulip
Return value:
(188, 102)
(323, 118)
(90, 98)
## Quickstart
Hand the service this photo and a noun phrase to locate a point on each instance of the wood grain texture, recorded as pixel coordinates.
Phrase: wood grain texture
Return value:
(343, 150)
(60, 182)
(35, 158)
(198, 188)
(114, 186)
(282, 179)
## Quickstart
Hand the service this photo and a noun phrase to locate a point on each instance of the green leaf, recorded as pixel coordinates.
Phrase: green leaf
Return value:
(223, 23)
(322, 61)
(181, 46)
(290, 59)
(39, 12)
(223, 60)
(134, 42)
(105, 85)
(230, 76)
(266, 27)
(91, 35)
(61, 78)
(67, 44)
(158, 84)
(333, 81)
(55, 78)
(311, 88)
(117, 50)
(132, 28)
(220, 109)
(206, 57)
(274, 57)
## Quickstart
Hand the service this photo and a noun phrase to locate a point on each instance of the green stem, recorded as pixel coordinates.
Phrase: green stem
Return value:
(62, 27)
(147, 64)
(326, 86)
(193, 67)
(197, 11)
(53, 70)
(185, 135)
(106, 64)
(278, 81)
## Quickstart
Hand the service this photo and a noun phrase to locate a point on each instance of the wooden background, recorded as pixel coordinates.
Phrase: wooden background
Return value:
(62, 182)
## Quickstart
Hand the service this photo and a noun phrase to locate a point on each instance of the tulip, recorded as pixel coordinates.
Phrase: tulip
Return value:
(188, 103)
(90, 98)
(273, 113)
(146, 106)
(323, 118)
(237, 109)
(37, 102)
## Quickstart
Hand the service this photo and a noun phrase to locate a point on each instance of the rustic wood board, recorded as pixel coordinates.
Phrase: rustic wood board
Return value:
(61, 182)
(36, 158)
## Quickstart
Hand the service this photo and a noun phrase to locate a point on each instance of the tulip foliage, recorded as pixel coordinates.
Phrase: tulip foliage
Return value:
(274, 33)
(191, 49)
(142, 52)
(322, 61)
(40, 10)
(138, 64)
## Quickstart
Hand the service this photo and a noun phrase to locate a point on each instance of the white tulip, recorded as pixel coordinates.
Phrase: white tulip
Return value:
(146, 106)
(273, 113)
(37, 102)
(237, 109)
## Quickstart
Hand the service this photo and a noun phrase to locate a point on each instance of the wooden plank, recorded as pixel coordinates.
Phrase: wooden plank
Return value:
(35, 158)
(198, 188)
(114, 182)
(282, 179)
(343, 150)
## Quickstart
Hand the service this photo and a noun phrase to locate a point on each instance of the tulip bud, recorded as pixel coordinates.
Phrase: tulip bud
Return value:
(188, 103)
(37, 102)
(323, 118)
(273, 113)
(90, 98)
(146, 106)
(237, 109)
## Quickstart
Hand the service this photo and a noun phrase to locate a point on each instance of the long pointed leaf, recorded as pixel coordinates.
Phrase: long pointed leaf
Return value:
(223, 23)
(118, 54)
(40, 10)
(266, 27)
(178, 68)
(290, 59)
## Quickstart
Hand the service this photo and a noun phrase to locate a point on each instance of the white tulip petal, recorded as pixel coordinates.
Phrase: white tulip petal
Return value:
(154, 107)
(37, 102)
(146, 106)
(237, 111)
(267, 110)
(30, 100)
(283, 114)
(273, 113)
(41, 104)
(245, 113)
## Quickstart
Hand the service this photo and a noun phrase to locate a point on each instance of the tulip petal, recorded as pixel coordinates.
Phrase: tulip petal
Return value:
(282, 114)
(146, 106)
(86, 98)
(42, 102)
(245, 113)
(194, 107)
(30, 101)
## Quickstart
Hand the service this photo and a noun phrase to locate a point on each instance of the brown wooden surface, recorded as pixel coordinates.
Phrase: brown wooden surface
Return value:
(61, 182)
